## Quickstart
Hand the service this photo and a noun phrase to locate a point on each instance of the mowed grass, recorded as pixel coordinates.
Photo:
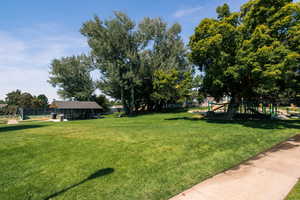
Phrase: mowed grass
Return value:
(152, 156)
(295, 193)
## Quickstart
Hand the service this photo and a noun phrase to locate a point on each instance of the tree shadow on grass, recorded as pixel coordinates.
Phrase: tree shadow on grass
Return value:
(184, 118)
(260, 124)
(165, 111)
(97, 174)
(19, 127)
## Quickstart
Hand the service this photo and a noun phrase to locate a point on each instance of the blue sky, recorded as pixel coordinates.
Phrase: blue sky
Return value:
(34, 32)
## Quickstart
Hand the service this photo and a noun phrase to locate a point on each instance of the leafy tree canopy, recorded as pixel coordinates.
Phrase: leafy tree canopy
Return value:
(41, 101)
(132, 58)
(13, 98)
(250, 54)
(72, 76)
(26, 100)
(102, 101)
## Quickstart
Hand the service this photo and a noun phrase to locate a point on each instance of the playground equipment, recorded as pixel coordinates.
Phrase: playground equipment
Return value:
(247, 107)
(217, 106)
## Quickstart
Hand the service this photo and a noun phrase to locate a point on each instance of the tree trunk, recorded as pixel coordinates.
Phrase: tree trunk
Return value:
(233, 107)
(123, 100)
(131, 102)
(132, 99)
(126, 110)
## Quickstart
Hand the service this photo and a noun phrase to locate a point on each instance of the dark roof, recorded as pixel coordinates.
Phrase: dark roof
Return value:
(75, 105)
(3, 105)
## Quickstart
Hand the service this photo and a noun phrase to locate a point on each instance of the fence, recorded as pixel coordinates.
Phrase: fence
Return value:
(260, 107)
(13, 112)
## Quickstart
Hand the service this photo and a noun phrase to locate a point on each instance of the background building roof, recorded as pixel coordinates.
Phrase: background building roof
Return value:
(3, 105)
(75, 105)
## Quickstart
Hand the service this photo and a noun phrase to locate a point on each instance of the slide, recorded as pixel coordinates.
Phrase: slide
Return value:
(217, 107)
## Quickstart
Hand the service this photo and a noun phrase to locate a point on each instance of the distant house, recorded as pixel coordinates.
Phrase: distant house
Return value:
(116, 108)
(76, 109)
(3, 106)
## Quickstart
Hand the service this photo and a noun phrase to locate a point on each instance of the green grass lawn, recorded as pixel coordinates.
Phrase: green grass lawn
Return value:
(152, 156)
(295, 193)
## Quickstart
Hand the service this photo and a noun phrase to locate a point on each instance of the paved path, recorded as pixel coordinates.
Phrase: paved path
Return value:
(269, 176)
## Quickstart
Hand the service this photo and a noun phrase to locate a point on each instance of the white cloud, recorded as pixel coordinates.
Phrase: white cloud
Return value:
(187, 11)
(25, 57)
(28, 80)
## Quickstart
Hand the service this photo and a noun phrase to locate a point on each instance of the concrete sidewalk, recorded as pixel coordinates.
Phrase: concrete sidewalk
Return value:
(269, 176)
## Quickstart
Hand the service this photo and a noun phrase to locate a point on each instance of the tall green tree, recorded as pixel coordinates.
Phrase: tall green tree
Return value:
(102, 101)
(44, 102)
(26, 100)
(115, 44)
(129, 57)
(272, 50)
(170, 87)
(165, 63)
(249, 54)
(72, 77)
(40, 101)
(13, 98)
